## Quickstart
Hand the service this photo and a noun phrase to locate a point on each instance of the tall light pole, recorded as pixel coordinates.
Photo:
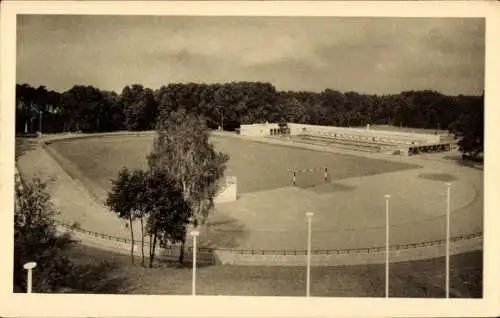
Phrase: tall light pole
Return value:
(29, 267)
(448, 188)
(194, 233)
(387, 197)
(309, 216)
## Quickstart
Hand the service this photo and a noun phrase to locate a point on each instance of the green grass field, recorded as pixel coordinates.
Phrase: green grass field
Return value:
(408, 279)
(258, 166)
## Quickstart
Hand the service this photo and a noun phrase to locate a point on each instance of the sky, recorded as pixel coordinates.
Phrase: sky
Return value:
(366, 55)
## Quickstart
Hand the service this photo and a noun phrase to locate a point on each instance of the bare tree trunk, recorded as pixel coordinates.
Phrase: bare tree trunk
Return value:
(142, 242)
(151, 251)
(153, 254)
(181, 252)
(132, 237)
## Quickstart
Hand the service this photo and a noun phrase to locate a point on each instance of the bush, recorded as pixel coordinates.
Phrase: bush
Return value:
(36, 239)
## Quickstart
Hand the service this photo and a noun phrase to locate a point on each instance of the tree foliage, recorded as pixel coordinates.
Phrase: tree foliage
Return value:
(231, 104)
(36, 239)
(168, 212)
(123, 199)
(469, 129)
(139, 107)
(183, 151)
(155, 199)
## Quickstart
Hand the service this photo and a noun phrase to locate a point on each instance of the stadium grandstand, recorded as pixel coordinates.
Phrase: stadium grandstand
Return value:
(404, 142)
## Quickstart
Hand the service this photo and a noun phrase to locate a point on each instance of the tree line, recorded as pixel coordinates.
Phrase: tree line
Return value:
(89, 109)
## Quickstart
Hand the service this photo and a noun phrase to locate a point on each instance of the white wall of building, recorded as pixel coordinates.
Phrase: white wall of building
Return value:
(257, 130)
(228, 193)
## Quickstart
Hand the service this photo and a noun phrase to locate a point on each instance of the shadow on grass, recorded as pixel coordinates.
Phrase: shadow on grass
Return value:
(96, 279)
(224, 231)
(76, 277)
(417, 279)
(437, 177)
(330, 188)
(187, 264)
(97, 274)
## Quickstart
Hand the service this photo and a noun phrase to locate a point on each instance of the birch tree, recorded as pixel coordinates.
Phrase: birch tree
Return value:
(182, 149)
(168, 213)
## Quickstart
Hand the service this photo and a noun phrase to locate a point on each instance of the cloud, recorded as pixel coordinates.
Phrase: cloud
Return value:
(360, 54)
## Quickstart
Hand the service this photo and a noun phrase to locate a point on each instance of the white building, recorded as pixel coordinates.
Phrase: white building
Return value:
(383, 140)
(258, 130)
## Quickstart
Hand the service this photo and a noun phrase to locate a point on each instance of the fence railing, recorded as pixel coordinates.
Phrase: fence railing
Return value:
(125, 240)
(362, 250)
(366, 250)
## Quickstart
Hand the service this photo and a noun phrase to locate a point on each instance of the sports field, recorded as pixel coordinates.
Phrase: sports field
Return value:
(258, 166)
(269, 212)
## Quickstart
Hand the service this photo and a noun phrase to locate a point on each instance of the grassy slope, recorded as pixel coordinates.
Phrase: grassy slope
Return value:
(409, 279)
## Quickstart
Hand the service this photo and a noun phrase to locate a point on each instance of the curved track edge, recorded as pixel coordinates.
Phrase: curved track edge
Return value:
(339, 257)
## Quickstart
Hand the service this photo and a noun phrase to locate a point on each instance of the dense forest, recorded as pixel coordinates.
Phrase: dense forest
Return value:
(89, 109)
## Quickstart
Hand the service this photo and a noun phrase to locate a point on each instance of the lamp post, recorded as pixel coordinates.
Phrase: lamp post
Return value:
(194, 233)
(448, 190)
(309, 216)
(29, 267)
(387, 198)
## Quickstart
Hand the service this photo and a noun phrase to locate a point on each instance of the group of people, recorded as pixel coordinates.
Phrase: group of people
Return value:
(282, 131)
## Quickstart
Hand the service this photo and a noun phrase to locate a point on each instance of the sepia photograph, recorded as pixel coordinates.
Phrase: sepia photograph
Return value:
(232, 155)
